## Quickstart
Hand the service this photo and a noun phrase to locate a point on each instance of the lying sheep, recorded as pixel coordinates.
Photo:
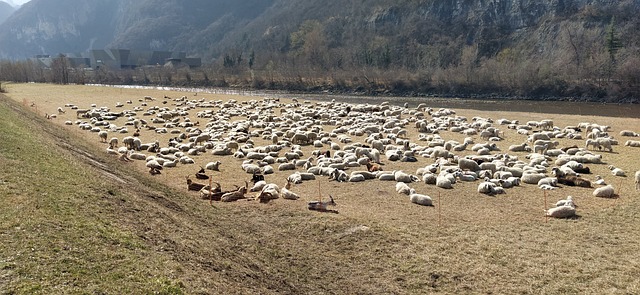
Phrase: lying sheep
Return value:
(420, 199)
(571, 180)
(617, 171)
(565, 209)
(549, 181)
(215, 166)
(402, 188)
(629, 133)
(532, 178)
(604, 192)
(404, 177)
(632, 143)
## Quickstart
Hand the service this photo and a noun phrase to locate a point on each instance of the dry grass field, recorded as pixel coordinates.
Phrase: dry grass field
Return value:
(162, 238)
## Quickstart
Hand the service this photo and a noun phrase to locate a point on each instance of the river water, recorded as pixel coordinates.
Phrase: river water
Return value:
(511, 105)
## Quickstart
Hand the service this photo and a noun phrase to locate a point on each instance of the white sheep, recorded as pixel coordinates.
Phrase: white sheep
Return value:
(468, 164)
(429, 178)
(604, 192)
(404, 177)
(567, 202)
(402, 188)
(593, 143)
(632, 143)
(600, 181)
(443, 181)
(566, 210)
(617, 171)
(486, 187)
(103, 135)
(215, 166)
(629, 133)
(258, 186)
(550, 181)
(420, 199)
(605, 143)
(287, 193)
(532, 178)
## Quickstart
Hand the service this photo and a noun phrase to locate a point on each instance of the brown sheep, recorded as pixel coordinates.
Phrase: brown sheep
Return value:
(574, 181)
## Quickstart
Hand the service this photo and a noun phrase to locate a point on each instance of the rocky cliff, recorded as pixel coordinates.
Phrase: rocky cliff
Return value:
(210, 29)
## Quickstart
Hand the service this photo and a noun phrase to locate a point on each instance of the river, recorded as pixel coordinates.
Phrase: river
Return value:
(506, 105)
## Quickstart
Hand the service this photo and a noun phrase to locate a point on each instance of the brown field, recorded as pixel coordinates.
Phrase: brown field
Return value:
(379, 242)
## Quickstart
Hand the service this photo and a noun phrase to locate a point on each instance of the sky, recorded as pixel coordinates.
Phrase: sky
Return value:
(16, 2)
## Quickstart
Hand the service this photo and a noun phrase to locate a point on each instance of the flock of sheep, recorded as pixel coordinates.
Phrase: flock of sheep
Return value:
(349, 143)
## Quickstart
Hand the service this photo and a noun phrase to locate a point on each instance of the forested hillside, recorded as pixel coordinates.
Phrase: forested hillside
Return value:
(547, 48)
(5, 11)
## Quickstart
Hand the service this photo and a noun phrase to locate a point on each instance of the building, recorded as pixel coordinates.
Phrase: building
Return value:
(123, 59)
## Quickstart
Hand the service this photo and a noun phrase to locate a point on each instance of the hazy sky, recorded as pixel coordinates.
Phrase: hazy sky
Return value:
(17, 2)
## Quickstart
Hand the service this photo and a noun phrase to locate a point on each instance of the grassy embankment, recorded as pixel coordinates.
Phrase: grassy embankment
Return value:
(76, 220)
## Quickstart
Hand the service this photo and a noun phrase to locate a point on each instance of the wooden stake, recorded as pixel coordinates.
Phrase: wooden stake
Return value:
(619, 193)
(439, 210)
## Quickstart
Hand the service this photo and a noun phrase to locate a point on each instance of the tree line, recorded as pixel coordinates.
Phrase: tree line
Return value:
(577, 62)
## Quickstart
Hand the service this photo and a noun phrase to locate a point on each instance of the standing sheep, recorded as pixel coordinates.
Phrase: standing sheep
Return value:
(638, 180)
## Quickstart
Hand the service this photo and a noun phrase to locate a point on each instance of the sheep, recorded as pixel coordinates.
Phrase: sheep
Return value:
(604, 192)
(593, 143)
(339, 175)
(258, 186)
(113, 142)
(215, 166)
(420, 199)
(356, 178)
(632, 143)
(617, 171)
(549, 181)
(605, 143)
(572, 180)
(82, 113)
(269, 192)
(468, 164)
(638, 180)
(286, 193)
(402, 188)
(629, 133)
(567, 209)
(600, 181)
(520, 148)
(321, 205)
(444, 182)
(103, 136)
(235, 195)
(429, 178)
(532, 178)
(486, 187)
(404, 177)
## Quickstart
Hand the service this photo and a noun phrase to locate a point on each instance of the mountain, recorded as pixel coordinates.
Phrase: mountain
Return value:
(211, 28)
(48, 27)
(5, 11)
